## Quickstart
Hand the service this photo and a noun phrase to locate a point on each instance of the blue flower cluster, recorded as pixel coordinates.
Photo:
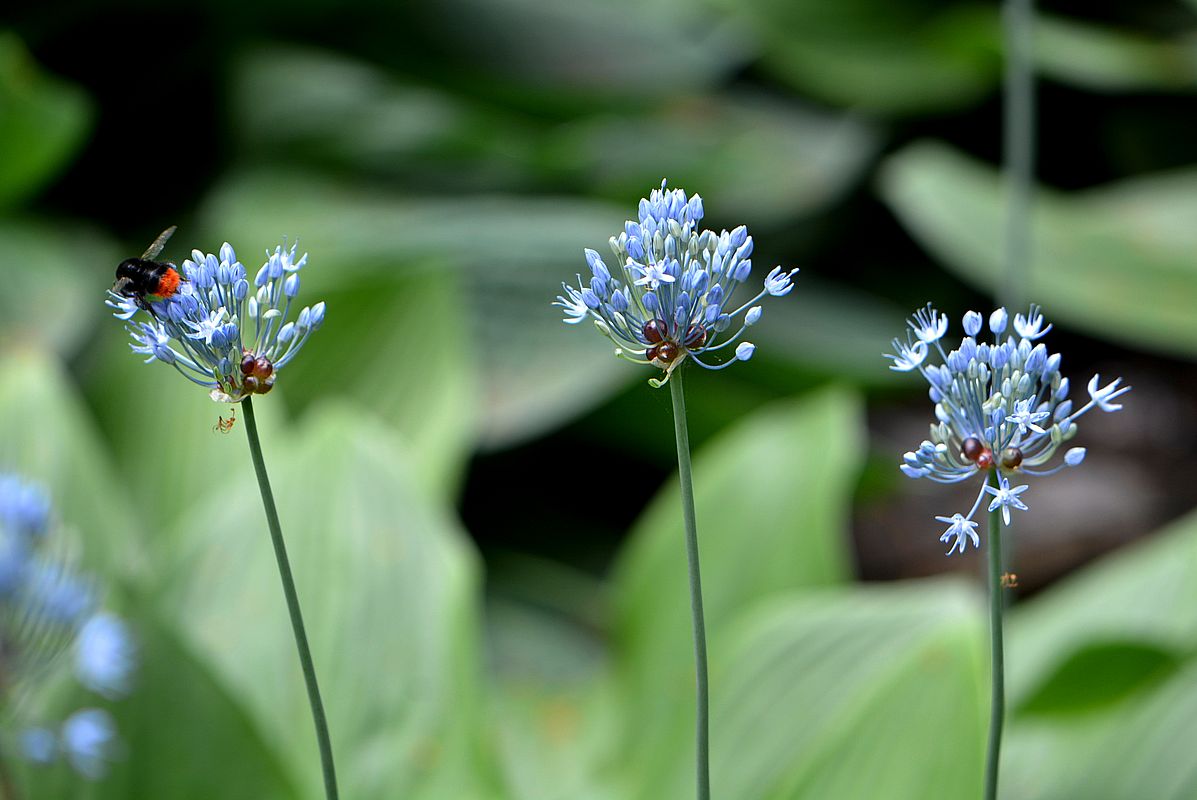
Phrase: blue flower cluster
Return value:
(1000, 405)
(220, 331)
(669, 297)
(49, 617)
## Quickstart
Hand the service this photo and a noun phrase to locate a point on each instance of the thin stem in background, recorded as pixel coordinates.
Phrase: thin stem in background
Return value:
(702, 733)
(997, 705)
(301, 636)
(1018, 150)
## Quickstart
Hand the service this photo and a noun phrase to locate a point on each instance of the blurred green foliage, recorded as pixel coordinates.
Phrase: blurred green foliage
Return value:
(440, 213)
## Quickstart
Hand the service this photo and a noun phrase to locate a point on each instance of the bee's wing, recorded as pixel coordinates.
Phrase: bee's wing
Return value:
(159, 243)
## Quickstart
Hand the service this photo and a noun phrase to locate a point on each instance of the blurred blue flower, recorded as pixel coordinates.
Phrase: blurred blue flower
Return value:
(1000, 405)
(669, 296)
(88, 737)
(223, 330)
(47, 609)
(105, 655)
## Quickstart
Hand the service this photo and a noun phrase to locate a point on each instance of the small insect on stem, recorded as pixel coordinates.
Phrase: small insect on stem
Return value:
(225, 425)
(1009, 581)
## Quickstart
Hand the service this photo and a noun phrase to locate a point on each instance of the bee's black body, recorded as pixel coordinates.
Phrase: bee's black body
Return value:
(144, 280)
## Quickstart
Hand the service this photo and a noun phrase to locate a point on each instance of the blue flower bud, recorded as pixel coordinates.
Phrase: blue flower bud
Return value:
(1074, 456)
(590, 298)
(972, 323)
(619, 302)
(742, 271)
(752, 316)
(744, 350)
(998, 320)
(739, 235)
(291, 285)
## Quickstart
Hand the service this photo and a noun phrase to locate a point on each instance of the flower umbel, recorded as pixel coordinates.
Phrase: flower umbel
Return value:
(223, 330)
(670, 296)
(51, 620)
(1000, 405)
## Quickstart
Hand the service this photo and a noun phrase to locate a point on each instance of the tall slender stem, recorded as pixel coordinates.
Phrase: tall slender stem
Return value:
(997, 705)
(301, 636)
(1018, 145)
(702, 725)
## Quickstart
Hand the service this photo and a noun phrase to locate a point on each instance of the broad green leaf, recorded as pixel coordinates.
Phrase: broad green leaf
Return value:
(54, 276)
(885, 58)
(1116, 261)
(348, 112)
(389, 589)
(183, 737)
(763, 161)
(587, 51)
(510, 255)
(1140, 748)
(772, 498)
(1109, 59)
(401, 349)
(754, 158)
(1118, 601)
(46, 434)
(853, 693)
(42, 122)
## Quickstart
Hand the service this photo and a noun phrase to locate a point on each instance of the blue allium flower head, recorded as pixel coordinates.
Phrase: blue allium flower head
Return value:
(223, 328)
(1001, 405)
(48, 610)
(667, 297)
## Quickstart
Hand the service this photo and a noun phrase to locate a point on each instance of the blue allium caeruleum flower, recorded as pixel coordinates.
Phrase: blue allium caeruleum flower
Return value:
(1000, 405)
(222, 329)
(50, 619)
(669, 296)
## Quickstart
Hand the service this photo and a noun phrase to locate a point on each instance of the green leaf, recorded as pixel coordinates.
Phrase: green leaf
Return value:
(402, 350)
(42, 123)
(183, 737)
(47, 434)
(772, 498)
(587, 51)
(53, 277)
(765, 161)
(511, 255)
(389, 588)
(866, 692)
(1099, 674)
(1109, 59)
(1103, 606)
(754, 158)
(1140, 748)
(885, 58)
(1115, 262)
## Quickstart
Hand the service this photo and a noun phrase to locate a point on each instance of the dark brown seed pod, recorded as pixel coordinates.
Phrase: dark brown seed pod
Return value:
(696, 337)
(266, 386)
(1011, 457)
(251, 384)
(247, 364)
(666, 352)
(985, 460)
(654, 331)
(262, 368)
(972, 448)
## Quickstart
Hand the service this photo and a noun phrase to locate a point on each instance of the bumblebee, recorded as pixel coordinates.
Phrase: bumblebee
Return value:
(145, 280)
